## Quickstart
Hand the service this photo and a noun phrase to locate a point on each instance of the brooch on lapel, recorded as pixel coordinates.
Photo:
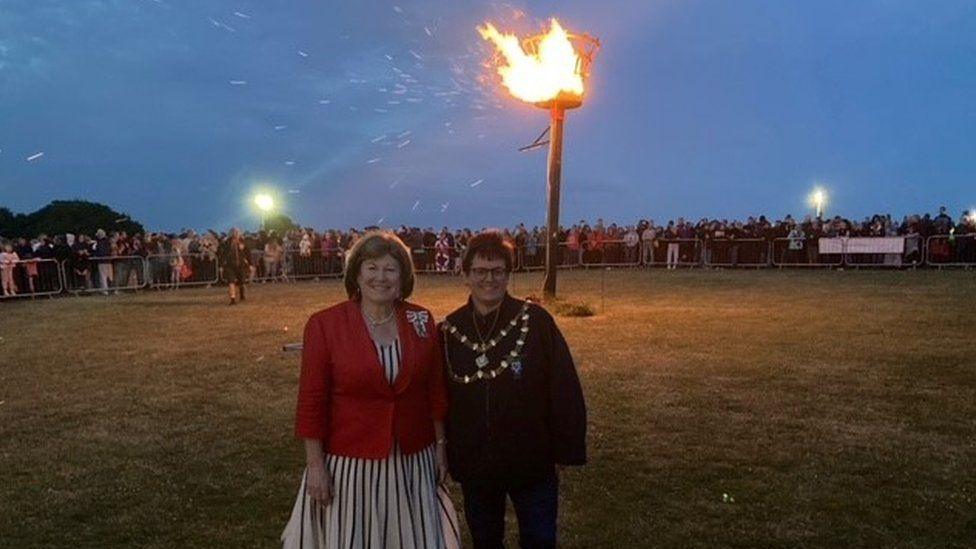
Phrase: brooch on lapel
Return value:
(516, 367)
(419, 320)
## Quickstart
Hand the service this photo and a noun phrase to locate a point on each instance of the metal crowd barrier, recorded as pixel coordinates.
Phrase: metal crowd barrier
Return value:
(177, 270)
(530, 257)
(35, 277)
(688, 252)
(105, 274)
(613, 253)
(801, 252)
(951, 251)
(298, 266)
(882, 260)
(735, 252)
(265, 269)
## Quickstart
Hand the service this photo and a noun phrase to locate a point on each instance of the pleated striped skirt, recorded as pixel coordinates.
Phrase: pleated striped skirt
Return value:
(382, 504)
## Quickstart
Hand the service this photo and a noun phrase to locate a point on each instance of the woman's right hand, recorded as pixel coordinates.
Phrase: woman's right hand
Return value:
(319, 484)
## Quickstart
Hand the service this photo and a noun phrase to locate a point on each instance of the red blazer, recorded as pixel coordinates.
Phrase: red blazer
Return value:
(344, 398)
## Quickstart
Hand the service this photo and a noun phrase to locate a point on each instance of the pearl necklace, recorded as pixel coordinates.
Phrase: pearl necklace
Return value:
(375, 323)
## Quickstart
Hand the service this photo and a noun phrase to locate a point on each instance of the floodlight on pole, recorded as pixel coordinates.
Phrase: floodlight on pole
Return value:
(818, 198)
(265, 202)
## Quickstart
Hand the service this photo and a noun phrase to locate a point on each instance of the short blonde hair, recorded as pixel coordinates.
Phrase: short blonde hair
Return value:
(374, 245)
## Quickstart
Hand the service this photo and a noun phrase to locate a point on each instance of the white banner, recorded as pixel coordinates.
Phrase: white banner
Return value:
(863, 245)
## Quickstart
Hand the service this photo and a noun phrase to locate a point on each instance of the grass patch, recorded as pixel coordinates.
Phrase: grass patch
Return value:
(834, 407)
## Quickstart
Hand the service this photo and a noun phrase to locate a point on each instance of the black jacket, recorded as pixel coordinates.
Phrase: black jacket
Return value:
(512, 429)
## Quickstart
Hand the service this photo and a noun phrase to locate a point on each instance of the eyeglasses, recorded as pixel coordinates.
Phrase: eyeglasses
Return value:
(496, 273)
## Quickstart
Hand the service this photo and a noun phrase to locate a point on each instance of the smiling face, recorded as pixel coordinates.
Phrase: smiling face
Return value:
(379, 279)
(487, 280)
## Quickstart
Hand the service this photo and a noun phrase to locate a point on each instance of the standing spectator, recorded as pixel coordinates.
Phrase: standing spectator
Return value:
(47, 266)
(236, 263)
(8, 262)
(123, 263)
(103, 258)
(272, 258)
(532, 248)
(302, 266)
(176, 262)
(81, 262)
(573, 250)
(442, 249)
(631, 240)
(671, 236)
(25, 252)
(648, 243)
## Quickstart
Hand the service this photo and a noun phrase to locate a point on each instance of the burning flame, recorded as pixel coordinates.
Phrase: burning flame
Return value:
(542, 75)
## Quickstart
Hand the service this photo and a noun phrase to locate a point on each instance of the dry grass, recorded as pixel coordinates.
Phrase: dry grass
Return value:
(837, 409)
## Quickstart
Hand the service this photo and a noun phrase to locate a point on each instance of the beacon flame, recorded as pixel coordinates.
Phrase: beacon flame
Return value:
(553, 70)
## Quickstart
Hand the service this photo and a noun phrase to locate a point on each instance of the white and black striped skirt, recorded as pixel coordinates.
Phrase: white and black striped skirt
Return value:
(384, 504)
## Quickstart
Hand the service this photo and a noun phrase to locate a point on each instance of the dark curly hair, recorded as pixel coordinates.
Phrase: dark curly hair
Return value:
(488, 245)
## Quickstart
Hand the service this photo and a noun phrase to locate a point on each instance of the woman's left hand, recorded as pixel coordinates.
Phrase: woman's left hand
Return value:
(441, 463)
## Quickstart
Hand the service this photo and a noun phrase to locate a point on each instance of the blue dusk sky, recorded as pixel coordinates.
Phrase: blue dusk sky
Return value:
(177, 111)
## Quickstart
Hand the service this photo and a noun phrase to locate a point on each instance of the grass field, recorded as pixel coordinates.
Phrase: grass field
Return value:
(834, 409)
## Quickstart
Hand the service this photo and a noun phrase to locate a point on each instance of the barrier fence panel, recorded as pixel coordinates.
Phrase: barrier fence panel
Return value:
(532, 257)
(611, 253)
(569, 257)
(105, 274)
(951, 250)
(674, 252)
(268, 267)
(911, 255)
(735, 252)
(176, 270)
(316, 264)
(946, 250)
(801, 252)
(32, 278)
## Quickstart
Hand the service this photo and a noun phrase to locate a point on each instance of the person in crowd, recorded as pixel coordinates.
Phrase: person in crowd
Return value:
(235, 260)
(8, 262)
(442, 249)
(47, 254)
(507, 432)
(648, 243)
(371, 406)
(671, 236)
(573, 249)
(177, 263)
(532, 240)
(631, 241)
(272, 258)
(103, 259)
(81, 262)
(28, 263)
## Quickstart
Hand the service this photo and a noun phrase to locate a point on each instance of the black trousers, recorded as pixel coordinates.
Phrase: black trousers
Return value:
(535, 505)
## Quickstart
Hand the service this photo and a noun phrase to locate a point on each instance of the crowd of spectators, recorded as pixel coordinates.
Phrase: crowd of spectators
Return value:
(108, 262)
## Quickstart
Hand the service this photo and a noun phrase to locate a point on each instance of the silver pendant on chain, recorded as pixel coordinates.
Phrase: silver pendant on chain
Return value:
(481, 361)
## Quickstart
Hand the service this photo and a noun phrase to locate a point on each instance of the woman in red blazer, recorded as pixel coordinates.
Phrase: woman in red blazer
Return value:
(371, 409)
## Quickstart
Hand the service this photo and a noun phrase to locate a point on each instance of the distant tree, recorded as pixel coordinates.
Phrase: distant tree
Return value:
(67, 216)
(8, 223)
(279, 223)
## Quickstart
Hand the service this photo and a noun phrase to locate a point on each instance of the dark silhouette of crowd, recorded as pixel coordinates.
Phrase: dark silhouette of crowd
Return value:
(107, 262)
